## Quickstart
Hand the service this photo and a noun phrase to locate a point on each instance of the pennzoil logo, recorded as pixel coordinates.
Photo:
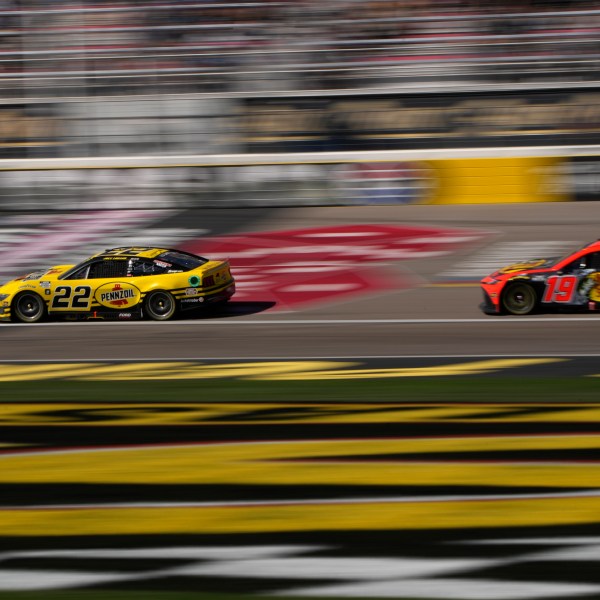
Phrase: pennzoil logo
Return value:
(118, 295)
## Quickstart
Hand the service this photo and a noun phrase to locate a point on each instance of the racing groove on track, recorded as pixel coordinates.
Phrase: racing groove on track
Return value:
(442, 500)
(300, 338)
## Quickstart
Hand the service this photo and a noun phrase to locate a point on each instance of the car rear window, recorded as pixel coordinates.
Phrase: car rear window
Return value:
(180, 260)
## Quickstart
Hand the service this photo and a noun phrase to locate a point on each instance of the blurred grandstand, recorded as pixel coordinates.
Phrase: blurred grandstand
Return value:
(81, 48)
(188, 77)
(87, 78)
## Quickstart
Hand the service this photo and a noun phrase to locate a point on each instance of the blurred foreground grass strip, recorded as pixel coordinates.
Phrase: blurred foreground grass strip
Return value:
(413, 389)
(128, 595)
(132, 595)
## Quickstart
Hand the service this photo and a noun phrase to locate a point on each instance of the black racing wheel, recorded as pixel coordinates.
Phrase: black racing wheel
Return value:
(519, 299)
(29, 307)
(160, 305)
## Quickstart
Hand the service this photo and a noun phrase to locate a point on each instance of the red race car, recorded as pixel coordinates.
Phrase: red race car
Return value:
(571, 282)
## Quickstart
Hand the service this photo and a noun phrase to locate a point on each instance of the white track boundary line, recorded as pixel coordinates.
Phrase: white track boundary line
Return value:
(295, 358)
(232, 321)
(315, 501)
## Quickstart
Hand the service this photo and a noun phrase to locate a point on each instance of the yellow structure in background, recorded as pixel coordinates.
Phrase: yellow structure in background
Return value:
(497, 180)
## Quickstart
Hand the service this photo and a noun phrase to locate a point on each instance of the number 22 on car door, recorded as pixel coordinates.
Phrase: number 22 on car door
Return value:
(67, 298)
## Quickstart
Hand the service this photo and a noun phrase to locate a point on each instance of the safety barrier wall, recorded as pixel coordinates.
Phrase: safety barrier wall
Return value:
(370, 178)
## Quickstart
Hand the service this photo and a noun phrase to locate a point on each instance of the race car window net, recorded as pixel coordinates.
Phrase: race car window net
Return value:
(587, 261)
(108, 268)
(593, 261)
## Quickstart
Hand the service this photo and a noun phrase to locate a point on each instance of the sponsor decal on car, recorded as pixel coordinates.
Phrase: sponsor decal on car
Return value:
(522, 266)
(590, 286)
(33, 276)
(118, 295)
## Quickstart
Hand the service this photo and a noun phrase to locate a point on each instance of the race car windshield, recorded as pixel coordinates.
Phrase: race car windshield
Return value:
(569, 254)
(554, 260)
(182, 260)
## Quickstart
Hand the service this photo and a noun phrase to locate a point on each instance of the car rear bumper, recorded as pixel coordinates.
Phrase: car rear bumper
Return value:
(222, 296)
(209, 299)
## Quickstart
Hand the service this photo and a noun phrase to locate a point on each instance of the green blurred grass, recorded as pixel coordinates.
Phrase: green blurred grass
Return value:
(438, 389)
(127, 595)
(133, 595)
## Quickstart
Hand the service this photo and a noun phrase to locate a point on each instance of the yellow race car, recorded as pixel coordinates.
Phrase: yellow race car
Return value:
(119, 284)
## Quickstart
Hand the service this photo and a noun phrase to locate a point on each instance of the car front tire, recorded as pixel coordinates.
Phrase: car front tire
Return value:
(519, 299)
(28, 307)
(160, 305)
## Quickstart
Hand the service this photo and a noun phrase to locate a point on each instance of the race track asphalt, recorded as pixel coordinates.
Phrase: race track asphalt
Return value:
(438, 317)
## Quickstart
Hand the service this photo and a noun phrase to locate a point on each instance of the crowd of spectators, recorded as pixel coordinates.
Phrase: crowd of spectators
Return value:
(82, 47)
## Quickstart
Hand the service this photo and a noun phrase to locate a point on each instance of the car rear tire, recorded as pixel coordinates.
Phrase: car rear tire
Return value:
(519, 299)
(29, 307)
(160, 305)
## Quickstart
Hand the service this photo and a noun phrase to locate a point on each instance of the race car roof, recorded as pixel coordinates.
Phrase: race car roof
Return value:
(141, 251)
